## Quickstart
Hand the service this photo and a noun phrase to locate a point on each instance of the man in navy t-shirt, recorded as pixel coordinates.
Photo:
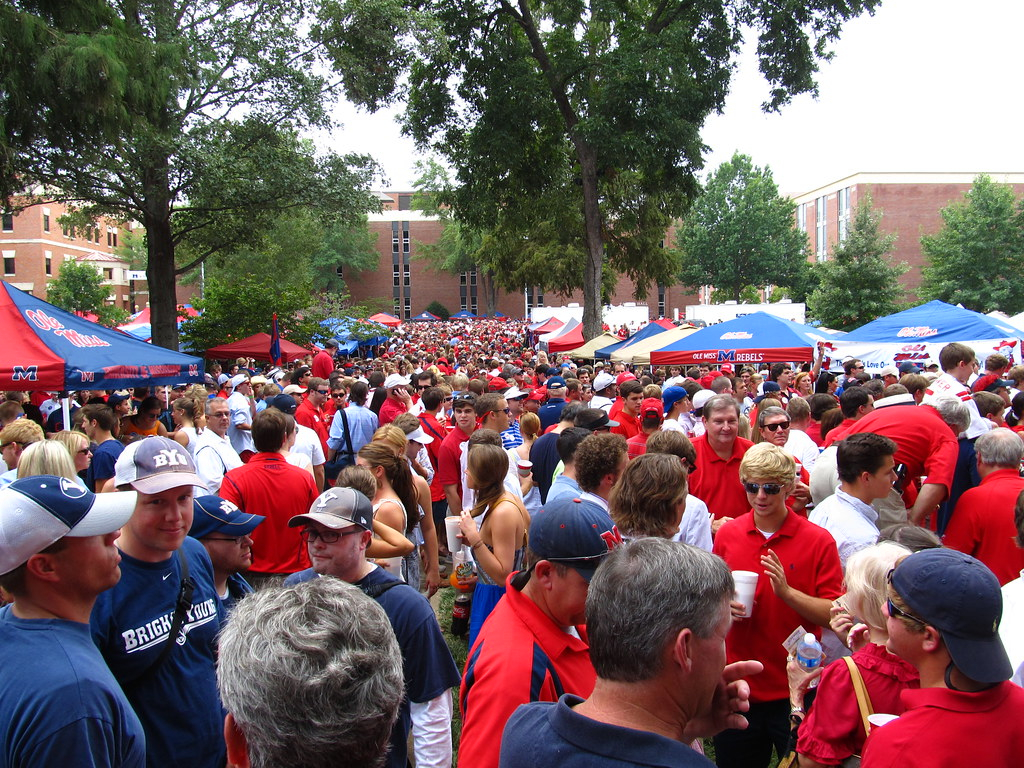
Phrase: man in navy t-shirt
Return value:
(59, 703)
(169, 677)
(337, 531)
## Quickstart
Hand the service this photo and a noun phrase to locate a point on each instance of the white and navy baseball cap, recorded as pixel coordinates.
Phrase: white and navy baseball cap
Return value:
(154, 465)
(337, 508)
(37, 511)
(212, 514)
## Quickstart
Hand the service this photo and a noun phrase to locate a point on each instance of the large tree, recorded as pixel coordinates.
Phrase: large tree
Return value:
(977, 258)
(858, 283)
(211, 97)
(740, 232)
(574, 128)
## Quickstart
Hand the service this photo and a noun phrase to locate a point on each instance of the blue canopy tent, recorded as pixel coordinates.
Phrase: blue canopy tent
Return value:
(463, 315)
(341, 328)
(425, 317)
(48, 348)
(918, 334)
(755, 338)
(651, 329)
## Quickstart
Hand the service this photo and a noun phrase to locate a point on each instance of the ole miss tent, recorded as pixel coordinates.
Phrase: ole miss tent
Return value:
(755, 338)
(651, 329)
(50, 349)
(426, 317)
(463, 315)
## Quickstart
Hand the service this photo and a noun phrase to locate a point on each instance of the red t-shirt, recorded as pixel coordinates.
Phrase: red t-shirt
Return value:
(811, 560)
(637, 445)
(982, 524)
(390, 409)
(629, 426)
(833, 730)
(517, 658)
(449, 466)
(323, 365)
(716, 481)
(309, 416)
(270, 486)
(949, 729)
(433, 428)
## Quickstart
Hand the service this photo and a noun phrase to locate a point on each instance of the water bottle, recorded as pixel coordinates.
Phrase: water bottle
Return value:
(808, 652)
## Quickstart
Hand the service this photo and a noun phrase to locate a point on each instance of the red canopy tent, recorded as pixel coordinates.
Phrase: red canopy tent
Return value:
(256, 346)
(570, 337)
(548, 326)
(385, 319)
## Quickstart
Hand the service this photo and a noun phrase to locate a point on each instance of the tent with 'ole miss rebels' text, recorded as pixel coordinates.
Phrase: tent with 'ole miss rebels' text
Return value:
(750, 339)
(49, 349)
(918, 334)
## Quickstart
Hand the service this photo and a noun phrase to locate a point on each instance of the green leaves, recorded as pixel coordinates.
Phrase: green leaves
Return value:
(79, 288)
(977, 258)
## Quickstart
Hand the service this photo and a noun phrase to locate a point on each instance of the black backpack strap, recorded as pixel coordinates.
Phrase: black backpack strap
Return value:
(376, 590)
(181, 606)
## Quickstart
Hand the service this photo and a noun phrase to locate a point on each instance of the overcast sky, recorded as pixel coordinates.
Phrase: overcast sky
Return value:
(923, 85)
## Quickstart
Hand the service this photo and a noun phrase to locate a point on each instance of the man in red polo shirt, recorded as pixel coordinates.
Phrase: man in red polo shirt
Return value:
(983, 522)
(449, 460)
(799, 577)
(310, 412)
(944, 610)
(398, 400)
(533, 646)
(270, 486)
(716, 479)
(631, 395)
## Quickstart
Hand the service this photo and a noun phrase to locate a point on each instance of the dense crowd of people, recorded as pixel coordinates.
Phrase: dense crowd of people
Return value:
(644, 549)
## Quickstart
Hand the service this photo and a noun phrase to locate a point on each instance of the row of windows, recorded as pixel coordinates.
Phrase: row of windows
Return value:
(91, 233)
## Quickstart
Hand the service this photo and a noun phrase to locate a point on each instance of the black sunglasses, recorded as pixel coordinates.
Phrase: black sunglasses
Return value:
(777, 427)
(769, 488)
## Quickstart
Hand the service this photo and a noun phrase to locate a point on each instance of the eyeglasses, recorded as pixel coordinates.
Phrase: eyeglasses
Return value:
(323, 391)
(337, 394)
(894, 610)
(15, 443)
(327, 537)
(85, 452)
(239, 540)
(769, 488)
(776, 427)
(448, 399)
(858, 367)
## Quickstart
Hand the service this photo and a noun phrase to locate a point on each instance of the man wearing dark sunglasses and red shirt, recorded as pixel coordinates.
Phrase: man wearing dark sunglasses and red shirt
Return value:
(799, 576)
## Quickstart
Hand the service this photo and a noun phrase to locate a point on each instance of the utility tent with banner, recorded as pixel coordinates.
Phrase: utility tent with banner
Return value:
(918, 334)
(751, 339)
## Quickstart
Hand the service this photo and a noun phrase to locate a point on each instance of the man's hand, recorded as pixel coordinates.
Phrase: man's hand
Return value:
(775, 571)
(731, 700)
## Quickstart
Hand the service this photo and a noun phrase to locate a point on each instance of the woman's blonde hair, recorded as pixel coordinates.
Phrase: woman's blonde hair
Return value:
(73, 440)
(529, 425)
(866, 587)
(47, 457)
(392, 436)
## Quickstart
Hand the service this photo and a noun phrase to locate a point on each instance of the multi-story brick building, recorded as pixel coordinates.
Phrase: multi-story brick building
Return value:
(36, 241)
(909, 203)
(412, 284)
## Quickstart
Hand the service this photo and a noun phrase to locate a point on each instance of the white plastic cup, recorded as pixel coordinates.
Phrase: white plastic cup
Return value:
(878, 719)
(746, 585)
(525, 467)
(451, 529)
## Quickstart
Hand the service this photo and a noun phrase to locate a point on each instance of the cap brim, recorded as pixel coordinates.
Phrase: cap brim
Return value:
(109, 512)
(334, 522)
(167, 480)
(982, 660)
(238, 527)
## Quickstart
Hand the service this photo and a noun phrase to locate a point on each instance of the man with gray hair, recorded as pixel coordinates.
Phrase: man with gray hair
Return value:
(213, 452)
(982, 524)
(657, 615)
(309, 675)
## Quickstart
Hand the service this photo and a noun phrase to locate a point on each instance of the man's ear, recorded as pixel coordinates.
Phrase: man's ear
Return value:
(238, 747)
(41, 567)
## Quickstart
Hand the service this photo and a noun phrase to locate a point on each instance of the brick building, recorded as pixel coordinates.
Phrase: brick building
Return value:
(35, 243)
(909, 204)
(412, 284)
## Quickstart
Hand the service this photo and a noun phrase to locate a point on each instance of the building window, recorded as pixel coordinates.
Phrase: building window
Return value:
(112, 237)
(395, 276)
(48, 258)
(801, 217)
(46, 219)
(661, 301)
(405, 237)
(9, 262)
(7, 222)
(340, 271)
(406, 277)
(408, 307)
(108, 274)
(405, 202)
(820, 228)
(844, 212)
(397, 309)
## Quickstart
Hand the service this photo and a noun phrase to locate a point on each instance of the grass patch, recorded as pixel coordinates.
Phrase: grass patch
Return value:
(459, 649)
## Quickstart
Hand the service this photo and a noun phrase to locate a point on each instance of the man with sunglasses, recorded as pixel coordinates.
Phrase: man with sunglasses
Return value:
(799, 576)
(310, 412)
(943, 613)
(533, 645)
(337, 529)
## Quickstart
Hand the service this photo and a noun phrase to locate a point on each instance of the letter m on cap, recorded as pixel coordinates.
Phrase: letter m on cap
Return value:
(25, 373)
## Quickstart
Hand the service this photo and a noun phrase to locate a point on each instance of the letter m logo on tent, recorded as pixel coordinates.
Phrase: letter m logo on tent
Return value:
(726, 355)
(25, 373)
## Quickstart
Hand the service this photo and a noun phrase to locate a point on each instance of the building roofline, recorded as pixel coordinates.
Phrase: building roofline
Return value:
(907, 177)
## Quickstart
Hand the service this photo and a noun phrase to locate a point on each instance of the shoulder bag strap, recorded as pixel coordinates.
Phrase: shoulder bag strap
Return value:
(863, 699)
(181, 606)
(348, 435)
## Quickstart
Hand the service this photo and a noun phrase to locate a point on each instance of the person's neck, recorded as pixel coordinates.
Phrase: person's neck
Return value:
(220, 581)
(646, 706)
(857, 491)
(569, 470)
(723, 450)
(133, 548)
(538, 595)
(52, 606)
(771, 523)
(101, 436)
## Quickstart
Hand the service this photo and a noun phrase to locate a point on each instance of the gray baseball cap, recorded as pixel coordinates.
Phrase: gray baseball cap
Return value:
(337, 508)
(154, 465)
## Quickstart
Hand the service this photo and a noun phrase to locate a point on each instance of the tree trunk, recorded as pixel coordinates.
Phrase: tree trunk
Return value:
(594, 259)
(163, 302)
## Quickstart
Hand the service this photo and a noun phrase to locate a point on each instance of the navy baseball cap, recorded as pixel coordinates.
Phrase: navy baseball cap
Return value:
(37, 511)
(909, 367)
(555, 382)
(283, 403)
(212, 514)
(961, 598)
(573, 532)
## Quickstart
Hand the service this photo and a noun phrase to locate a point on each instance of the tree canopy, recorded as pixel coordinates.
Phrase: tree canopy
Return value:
(208, 98)
(574, 129)
(79, 288)
(740, 232)
(977, 258)
(858, 284)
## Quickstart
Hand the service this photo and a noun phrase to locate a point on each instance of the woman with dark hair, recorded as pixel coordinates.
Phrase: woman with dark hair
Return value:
(1015, 416)
(395, 502)
(145, 423)
(494, 530)
(826, 384)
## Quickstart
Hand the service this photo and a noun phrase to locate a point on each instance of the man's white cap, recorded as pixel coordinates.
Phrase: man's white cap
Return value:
(394, 380)
(891, 370)
(294, 389)
(701, 398)
(237, 379)
(419, 436)
(603, 380)
(37, 511)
